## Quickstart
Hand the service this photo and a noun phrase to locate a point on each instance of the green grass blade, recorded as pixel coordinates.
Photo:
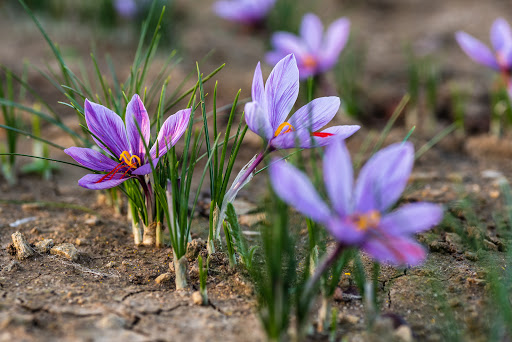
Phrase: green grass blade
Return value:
(32, 136)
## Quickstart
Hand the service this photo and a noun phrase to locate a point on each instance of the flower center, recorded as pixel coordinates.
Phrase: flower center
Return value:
(365, 221)
(285, 127)
(128, 159)
(127, 162)
(309, 62)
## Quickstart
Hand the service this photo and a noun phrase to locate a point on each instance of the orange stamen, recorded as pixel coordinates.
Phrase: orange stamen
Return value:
(321, 134)
(285, 127)
(309, 62)
(369, 220)
(127, 160)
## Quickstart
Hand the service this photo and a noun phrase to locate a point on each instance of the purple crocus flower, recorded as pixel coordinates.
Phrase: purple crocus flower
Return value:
(243, 11)
(315, 52)
(501, 40)
(271, 103)
(126, 8)
(266, 116)
(125, 154)
(359, 215)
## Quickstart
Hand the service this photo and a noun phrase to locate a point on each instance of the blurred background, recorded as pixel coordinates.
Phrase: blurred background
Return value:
(390, 41)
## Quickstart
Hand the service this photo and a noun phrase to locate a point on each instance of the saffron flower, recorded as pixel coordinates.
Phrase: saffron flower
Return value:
(266, 116)
(315, 52)
(359, 215)
(126, 8)
(124, 154)
(271, 103)
(501, 40)
(249, 12)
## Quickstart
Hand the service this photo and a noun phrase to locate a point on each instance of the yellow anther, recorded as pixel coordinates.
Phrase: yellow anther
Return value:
(285, 127)
(309, 62)
(368, 220)
(127, 158)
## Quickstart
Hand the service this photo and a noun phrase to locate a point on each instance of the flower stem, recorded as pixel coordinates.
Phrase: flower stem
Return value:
(251, 169)
(322, 267)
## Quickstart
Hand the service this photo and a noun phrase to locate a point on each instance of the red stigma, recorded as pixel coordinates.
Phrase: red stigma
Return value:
(321, 134)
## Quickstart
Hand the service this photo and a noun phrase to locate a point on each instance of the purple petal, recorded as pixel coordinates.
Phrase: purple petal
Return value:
(476, 50)
(294, 188)
(315, 114)
(239, 11)
(338, 176)
(342, 131)
(344, 231)
(294, 139)
(273, 57)
(311, 30)
(304, 139)
(257, 120)
(107, 126)
(136, 115)
(395, 250)
(412, 218)
(505, 57)
(170, 132)
(288, 43)
(258, 88)
(92, 181)
(90, 158)
(384, 177)
(281, 90)
(338, 132)
(146, 168)
(125, 8)
(501, 35)
(335, 40)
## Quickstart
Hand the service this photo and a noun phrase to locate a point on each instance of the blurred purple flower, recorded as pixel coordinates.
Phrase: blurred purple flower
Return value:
(501, 40)
(243, 11)
(126, 8)
(359, 215)
(125, 156)
(271, 103)
(315, 52)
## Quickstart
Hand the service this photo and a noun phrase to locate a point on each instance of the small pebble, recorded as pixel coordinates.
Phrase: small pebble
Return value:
(92, 221)
(494, 194)
(403, 333)
(164, 278)
(197, 298)
(44, 246)
(23, 249)
(80, 242)
(66, 250)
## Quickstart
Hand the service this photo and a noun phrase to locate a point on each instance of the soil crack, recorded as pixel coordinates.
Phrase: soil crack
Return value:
(136, 292)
